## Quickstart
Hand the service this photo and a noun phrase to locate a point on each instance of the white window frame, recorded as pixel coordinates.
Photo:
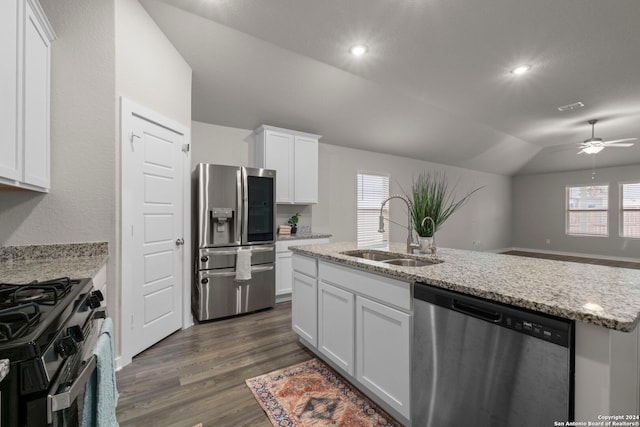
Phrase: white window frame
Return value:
(623, 210)
(568, 210)
(367, 217)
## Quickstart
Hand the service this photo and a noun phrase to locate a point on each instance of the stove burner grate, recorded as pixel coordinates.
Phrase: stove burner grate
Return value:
(47, 293)
(16, 321)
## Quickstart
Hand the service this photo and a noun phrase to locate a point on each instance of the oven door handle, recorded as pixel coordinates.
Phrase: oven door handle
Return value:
(64, 400)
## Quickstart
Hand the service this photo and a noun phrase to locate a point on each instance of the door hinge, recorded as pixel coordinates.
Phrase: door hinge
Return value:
(185, 148)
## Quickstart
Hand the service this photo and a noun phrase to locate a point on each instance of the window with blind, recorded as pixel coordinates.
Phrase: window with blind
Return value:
(630, 221)
(588, 210)
(372, 191)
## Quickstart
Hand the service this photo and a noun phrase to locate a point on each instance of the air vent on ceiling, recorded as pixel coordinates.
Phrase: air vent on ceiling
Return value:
(569, 107)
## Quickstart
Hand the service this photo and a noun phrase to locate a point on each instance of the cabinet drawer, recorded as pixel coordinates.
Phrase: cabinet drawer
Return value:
(390, 291)
(305, 265)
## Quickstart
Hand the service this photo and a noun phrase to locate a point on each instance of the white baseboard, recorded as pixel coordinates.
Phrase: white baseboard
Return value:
(283, 298)
(576, 254)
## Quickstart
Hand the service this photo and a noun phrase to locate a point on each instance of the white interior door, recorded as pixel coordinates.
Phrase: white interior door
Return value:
(153, 263)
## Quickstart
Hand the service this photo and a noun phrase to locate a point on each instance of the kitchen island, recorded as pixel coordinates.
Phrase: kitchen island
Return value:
(603, 301)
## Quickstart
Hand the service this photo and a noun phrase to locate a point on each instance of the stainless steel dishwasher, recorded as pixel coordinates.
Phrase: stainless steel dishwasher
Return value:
(486, 364)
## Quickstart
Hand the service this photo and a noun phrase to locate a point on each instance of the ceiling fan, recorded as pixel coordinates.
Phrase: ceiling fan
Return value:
(594, 145)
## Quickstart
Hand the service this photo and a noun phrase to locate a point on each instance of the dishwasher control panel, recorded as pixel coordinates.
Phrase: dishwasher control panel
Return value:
(538, 325)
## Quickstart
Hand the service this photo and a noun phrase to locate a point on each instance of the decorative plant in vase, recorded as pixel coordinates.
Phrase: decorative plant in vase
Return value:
(293, 222)
(431, 198)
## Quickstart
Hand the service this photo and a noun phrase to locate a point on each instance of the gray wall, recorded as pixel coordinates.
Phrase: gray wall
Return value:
(539, 212)
(485, 219)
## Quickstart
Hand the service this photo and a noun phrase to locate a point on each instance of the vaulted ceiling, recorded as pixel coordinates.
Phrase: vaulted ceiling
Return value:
(436, 82)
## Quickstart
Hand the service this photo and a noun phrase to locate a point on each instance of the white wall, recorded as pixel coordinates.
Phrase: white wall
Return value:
(539, 212)
(486, 218)
(81, 204)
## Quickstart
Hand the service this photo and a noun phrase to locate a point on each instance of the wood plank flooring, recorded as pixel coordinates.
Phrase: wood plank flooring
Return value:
(584, 260)
(197, 375)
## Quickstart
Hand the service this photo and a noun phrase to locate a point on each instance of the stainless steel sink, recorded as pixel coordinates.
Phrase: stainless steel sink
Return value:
(370, 255)
(408, 262)
(391, 258)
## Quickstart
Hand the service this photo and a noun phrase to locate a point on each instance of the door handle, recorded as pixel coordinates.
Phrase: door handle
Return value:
(179, 242)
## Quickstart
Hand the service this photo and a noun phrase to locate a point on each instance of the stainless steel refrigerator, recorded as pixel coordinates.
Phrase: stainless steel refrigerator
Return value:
(234, 233)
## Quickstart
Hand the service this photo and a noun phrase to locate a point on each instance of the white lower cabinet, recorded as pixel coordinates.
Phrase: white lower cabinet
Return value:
(383, 342)
(363, 324)
(284, 269)
(284, 264)
(336, 325)
(304, 312)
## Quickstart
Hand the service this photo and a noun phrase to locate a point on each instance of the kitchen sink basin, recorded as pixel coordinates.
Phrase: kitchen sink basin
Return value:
(408, 262)
(391, 258)
(370, 255)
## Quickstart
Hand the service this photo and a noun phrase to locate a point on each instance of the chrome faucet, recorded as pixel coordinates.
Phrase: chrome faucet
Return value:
(411, 245)
(432, 248)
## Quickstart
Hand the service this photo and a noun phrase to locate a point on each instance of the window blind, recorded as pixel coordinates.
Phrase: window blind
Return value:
(372, 191)
(588, 210)
(630, 210)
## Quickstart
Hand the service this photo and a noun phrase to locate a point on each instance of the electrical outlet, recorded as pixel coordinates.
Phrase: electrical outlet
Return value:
(548, 241)
(476, 243)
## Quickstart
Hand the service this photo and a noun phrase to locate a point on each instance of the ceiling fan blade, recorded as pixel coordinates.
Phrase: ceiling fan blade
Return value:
(619, 145)
(615, 141)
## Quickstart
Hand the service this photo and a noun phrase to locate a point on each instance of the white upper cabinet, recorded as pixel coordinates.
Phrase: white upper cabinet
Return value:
(294, 156)
(25, 46)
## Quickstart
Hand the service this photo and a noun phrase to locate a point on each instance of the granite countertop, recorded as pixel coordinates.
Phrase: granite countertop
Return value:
(300, 236)
(22, 264)
(603, 296)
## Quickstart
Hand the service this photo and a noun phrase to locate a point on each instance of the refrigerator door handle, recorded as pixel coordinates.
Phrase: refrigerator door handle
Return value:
(228, 273)
(235, 251)
(245, 207)
(262, 249)
(241, 212)
(261, 269)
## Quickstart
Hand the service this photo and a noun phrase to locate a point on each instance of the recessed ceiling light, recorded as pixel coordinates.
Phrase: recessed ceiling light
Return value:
(358, 50)
(522, 69)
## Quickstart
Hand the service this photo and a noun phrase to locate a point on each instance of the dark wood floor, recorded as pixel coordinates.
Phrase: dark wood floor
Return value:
(197, 375)
(584, 260)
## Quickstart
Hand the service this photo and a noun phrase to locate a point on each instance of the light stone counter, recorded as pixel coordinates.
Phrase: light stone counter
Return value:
(302, 236)
(603, 296)
(22, 264)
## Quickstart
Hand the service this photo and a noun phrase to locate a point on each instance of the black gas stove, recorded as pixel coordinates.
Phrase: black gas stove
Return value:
(47, 331)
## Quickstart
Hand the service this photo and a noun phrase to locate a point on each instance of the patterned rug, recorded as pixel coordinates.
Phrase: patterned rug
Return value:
(312, 394)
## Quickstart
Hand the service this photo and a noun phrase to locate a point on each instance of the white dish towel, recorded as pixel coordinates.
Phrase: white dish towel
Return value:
(243, 264)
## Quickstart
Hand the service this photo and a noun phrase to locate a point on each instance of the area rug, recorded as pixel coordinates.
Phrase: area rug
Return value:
(310, 394)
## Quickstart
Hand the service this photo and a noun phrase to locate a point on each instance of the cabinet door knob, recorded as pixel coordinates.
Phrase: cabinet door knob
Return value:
(179, 242)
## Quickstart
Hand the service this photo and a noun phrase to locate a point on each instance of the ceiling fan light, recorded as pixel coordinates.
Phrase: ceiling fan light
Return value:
(592, 150)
